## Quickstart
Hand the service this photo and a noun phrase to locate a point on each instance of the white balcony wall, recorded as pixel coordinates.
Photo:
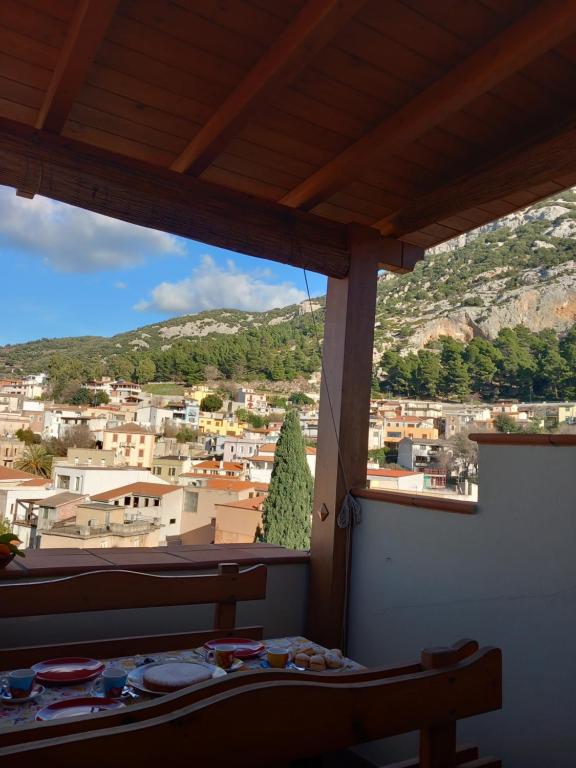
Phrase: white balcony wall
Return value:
(505, 576)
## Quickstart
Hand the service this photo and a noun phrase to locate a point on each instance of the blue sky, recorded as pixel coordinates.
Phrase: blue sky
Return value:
(69, 272)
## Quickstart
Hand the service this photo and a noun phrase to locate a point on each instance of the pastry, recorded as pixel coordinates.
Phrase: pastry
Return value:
(317, 663)
(334, 659)
(174, 676)
(302, 660)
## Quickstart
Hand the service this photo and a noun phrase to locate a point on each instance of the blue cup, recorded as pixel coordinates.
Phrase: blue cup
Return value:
(112, 682)
(21, 682)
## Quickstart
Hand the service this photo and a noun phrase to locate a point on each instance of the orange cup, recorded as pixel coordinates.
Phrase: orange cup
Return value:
(278, 657)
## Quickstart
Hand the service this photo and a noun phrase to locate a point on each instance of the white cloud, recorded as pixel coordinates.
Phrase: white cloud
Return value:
(211, 286)
(74, 240)
(120, 285)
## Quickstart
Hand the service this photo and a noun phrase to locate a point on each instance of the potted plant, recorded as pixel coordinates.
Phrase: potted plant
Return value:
(9, 548)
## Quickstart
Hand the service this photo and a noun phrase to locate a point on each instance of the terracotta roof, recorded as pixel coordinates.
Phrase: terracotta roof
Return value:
(267, 448)
(7, 473)
(254, 503)
(130, 428)
(153, 490)
(59, 499)
(228, 465)
(35, 482)
(390, 472)
(223, 483)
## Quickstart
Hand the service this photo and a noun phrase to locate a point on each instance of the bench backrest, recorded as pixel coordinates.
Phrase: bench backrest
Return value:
(117, 589)
(272, 717)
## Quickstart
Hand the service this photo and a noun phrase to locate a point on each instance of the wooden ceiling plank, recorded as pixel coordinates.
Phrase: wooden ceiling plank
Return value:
(534, 162)
(540, 29)
(85, 33)
(316, 23)
(155, 197)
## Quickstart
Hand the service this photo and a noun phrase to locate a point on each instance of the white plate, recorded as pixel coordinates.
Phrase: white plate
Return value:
(38, 690)
(135, 677)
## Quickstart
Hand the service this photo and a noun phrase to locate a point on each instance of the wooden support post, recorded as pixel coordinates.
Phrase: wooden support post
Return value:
(344, 412)
(225, 611)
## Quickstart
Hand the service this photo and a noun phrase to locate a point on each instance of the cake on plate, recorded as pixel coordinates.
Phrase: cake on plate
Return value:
(173, 676)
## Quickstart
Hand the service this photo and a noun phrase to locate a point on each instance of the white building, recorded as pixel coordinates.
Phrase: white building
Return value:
(260, 466)
(92, 480)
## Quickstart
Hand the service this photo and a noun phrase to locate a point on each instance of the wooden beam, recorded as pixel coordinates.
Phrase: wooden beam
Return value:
(543, 158)
(308, 33)
(85, 33)
(534, 34)
(344, 411)
(149, 196)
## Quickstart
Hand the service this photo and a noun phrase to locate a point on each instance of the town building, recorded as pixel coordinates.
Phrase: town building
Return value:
(131, 442)
(98, 525)
(238, 522)
(395, 480)
(90, 479)
(238, 449)
(160, 503)
(169, 468)
(251, 400)
(11, 449)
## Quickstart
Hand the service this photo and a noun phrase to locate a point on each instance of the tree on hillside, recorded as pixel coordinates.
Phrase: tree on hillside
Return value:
(287, 511)
(82, 396)
(211, 403)
(427, 373)
(35, 460)
(145, 370)
(505, 423)
(300, 398)
(187, 435)
(455, 378)
(28, 437)
(99, 398)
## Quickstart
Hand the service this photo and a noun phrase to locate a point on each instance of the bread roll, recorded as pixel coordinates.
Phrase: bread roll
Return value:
(302, 660)
(317, 663)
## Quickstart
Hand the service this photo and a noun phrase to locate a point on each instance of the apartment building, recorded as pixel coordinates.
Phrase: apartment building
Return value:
(132, 443)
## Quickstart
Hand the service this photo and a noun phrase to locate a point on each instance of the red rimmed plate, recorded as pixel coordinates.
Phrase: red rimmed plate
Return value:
(244, 648)
(67, 670)
(78, 706)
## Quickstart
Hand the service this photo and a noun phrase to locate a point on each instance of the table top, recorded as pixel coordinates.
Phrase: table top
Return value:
(15, 715)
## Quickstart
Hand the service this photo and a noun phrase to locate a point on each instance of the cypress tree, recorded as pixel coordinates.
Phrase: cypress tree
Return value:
(288, 506)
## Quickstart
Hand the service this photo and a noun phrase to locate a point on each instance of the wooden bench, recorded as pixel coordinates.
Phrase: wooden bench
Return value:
(269, 718)
(122, 590)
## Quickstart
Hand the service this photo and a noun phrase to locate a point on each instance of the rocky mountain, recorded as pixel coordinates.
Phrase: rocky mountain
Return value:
(518, 270)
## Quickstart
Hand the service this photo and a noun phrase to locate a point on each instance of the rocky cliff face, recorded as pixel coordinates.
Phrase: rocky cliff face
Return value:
(518, 270)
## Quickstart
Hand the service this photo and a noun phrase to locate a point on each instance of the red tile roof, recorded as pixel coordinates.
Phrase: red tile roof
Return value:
(225, 483)
(130, 428)
(254, 503)
(224, 465)
(7, 473)
(154, 490)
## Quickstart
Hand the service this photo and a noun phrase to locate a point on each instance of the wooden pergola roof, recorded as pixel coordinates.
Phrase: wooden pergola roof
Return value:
(267, 127)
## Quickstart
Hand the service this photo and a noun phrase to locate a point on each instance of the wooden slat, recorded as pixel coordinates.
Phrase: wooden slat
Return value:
(12, 658)
(154, 197)
(299, 42)
(524, 166)
(344, 714)
(111, 590)
(539, 30)
(85, 34)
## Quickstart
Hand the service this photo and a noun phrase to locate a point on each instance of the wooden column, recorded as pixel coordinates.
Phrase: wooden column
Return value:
(346, 384)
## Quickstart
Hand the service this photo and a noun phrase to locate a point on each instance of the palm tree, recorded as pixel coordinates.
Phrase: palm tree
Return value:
(36, 460)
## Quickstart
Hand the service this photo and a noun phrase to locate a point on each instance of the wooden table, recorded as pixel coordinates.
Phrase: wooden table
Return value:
(14, 715)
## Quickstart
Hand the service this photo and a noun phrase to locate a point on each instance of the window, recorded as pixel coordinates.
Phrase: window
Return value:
(156, 502)
(142, 438)
(77, 483)
(172, 520)
(190, 501)
(64, 482)
(141, 452)
(171, 471)
(128, 439)
(115, 437)
(157, 470)
(126, 501)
